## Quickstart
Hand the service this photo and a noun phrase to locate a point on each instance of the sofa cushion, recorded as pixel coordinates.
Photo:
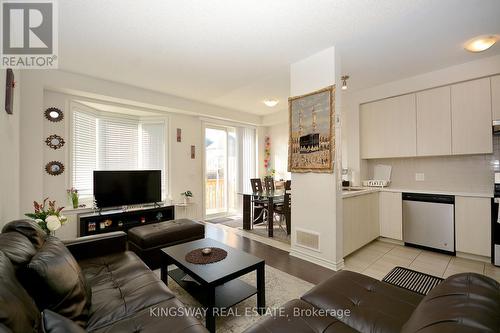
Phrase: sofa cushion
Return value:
(374, 306)
(165, 233)
(18, 312)
(466, 302)
(54, 279)
(53, 322)
(28, 228)
(150, 320)
(17, 248)
(121, 286)
(299, 317)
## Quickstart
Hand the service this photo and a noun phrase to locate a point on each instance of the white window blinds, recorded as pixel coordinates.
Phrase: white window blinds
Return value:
(84, 152)
(152, 149)
(118, 144)
(115, 143)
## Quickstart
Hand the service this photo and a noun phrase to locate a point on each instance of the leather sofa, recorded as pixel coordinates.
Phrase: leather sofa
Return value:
(91, 284)
(352, 302)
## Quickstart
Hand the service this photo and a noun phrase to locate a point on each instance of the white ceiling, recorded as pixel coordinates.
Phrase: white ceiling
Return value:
(235, 53)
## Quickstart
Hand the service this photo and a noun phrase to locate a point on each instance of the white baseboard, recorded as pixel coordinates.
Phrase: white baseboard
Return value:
(335, 266)
(391, 240)
(473, 257)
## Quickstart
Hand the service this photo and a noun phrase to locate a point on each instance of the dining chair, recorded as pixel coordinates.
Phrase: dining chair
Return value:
(284, 212)
(259, 204)
(268, 184)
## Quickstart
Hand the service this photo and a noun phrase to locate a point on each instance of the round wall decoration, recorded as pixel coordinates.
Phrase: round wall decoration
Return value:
(54, 168)
(54, 141)
(54, 114)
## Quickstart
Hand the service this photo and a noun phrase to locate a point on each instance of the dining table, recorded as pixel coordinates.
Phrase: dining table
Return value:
(271, 197)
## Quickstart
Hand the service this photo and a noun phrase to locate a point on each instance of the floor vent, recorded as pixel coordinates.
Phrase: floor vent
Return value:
(307, 239)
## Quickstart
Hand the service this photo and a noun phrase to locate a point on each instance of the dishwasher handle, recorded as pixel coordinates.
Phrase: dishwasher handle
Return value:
(424, 197)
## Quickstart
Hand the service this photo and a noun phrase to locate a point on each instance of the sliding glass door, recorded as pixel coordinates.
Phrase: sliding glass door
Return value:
(220, 170)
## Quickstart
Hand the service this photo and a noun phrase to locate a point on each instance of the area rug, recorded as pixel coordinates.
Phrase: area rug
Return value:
(218, 220)
(280, 288)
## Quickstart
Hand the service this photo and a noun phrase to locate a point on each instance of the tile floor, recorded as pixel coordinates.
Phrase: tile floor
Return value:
(378, 258)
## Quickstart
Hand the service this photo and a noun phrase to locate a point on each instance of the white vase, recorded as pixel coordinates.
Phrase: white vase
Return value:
(186, 200)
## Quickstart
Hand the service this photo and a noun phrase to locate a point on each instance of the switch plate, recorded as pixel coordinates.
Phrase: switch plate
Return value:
(419, 177)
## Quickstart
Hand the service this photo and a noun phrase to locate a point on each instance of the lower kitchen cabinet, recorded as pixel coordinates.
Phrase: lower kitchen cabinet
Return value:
(360, 221)
(391, 215)
(473, 225)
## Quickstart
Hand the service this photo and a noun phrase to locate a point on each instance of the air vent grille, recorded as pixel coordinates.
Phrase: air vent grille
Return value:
(307, 239)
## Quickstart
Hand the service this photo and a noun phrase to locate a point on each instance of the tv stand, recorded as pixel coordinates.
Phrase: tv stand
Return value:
(122, 220)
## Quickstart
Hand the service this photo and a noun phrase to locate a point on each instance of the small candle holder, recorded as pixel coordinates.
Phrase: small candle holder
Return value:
(206, 251)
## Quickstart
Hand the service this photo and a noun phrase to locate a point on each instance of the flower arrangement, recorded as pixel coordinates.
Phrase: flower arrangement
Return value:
(48, 216)
(73, 197)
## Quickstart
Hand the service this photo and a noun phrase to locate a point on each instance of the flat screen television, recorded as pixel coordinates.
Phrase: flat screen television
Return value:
(121, 188)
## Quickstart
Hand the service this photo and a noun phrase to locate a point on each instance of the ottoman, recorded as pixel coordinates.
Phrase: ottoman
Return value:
(147, 240)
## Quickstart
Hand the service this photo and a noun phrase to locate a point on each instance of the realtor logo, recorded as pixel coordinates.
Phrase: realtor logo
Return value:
(29, 34)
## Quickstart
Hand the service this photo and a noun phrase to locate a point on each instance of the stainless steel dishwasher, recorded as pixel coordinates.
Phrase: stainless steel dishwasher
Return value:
(429, 221)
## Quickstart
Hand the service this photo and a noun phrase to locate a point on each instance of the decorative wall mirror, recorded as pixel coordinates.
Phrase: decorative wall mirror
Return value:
(54, 168)
(54, 141)
(54, 114)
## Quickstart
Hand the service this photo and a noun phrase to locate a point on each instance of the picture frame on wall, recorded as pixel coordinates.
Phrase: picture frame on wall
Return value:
(179, 135)
(311, 144)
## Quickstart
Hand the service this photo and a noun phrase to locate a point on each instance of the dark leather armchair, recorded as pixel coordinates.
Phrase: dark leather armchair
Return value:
(352, 302)
(104, 287)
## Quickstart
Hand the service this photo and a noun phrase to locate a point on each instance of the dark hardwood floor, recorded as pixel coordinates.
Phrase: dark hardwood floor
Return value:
(274, 257)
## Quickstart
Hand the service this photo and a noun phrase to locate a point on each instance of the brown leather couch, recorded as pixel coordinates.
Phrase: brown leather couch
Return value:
(90, 284)
(466, 302)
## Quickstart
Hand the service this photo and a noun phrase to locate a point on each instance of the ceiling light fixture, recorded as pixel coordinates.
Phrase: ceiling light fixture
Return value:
(344, 79)
(480, 43)
(271, 102)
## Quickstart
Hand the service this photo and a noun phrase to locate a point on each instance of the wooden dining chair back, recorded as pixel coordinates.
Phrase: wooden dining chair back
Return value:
(269, 184)
(287, 211)
(288, 185)
(256, 185)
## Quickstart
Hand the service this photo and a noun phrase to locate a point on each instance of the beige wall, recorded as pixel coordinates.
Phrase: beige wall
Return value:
(352, 100)
(9, 153)
(279, 149)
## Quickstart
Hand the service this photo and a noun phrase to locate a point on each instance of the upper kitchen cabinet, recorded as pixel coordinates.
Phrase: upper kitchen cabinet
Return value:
(471, 117)
(495, 96)
(388, 127)
(434, 122)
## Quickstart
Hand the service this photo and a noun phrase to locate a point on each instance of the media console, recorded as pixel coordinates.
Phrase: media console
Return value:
(122, 220)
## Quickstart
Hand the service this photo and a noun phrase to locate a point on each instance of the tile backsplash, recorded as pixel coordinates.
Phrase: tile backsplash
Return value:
(467, 173)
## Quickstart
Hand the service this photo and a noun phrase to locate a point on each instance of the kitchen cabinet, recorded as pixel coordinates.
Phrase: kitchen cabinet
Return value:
(473, 225)
(391, 215)
(471, 117)
(495, 96)
(388, 127)
(434, 122)
(360, 221)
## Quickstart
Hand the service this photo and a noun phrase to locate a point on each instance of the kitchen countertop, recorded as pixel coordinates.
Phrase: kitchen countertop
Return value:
(366, 190)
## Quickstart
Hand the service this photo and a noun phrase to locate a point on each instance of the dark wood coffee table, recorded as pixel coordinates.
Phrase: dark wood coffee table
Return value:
(216, 286)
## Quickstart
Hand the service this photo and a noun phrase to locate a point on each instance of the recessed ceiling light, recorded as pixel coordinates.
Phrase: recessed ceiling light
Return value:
(271, 102)
(480, 43)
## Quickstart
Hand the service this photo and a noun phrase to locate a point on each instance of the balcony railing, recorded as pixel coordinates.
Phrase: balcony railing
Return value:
(214, 196)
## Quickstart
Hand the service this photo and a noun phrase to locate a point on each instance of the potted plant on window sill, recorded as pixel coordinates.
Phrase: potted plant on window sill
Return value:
(187, 196)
